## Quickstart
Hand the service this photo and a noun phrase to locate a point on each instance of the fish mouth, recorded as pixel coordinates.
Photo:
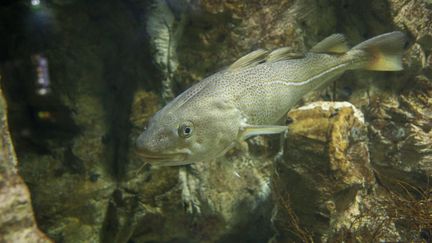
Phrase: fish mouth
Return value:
(166, 159)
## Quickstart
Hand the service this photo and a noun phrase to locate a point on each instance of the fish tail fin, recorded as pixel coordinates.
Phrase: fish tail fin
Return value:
(384, 51)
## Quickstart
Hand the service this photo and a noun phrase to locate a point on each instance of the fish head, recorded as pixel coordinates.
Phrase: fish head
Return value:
(188, 134)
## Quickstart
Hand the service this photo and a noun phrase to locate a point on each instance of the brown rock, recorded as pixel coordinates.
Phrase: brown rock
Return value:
(325, 171)
(17, 223)
(400, 133)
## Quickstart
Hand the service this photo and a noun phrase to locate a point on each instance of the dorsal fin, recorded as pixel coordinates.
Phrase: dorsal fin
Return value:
(250, 60)
(283, 53)
(335, 43)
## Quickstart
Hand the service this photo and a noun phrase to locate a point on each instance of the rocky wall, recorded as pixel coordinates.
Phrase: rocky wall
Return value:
(17, 221)
(348, 167)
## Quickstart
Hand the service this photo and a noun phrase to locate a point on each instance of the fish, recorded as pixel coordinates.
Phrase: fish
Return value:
(251, 97)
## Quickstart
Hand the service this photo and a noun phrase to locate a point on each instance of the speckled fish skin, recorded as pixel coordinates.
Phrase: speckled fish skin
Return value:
(252, 95)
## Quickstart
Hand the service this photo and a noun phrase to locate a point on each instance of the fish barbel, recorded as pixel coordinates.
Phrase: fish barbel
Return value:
(253, 94)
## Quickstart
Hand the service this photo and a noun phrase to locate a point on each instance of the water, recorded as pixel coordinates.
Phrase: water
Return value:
(81, 79)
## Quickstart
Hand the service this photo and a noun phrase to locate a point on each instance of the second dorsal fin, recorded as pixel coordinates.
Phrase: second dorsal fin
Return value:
(335, 43)
(250, 60)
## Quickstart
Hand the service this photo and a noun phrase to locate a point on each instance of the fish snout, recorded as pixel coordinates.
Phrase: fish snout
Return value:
(148, 148)
(140, 142)
(143, 145)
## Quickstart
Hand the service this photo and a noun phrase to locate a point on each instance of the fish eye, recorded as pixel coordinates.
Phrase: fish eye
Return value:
(185, 130)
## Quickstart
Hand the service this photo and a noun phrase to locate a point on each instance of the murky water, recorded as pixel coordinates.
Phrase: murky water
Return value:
(81, 80)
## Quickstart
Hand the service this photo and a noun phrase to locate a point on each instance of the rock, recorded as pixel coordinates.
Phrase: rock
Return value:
(323, 189)
(71, 181)
(415, 17)
(228, 201)
(72, 162)
(17, 222)
(338, 191)
(400, 133)
(335, 184)
(400, 120)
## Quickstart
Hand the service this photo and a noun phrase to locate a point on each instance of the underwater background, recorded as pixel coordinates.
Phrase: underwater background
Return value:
(80, 79)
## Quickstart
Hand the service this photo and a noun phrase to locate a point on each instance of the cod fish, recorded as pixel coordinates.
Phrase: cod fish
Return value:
(251, 96)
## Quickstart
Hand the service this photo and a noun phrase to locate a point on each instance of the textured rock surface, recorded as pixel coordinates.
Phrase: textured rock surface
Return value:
(400, 119)
(326, 171)
(337, 181)
(72, 143)
(17, 223)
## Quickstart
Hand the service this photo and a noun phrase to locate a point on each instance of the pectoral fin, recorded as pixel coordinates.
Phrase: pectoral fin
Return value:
(249, 130)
